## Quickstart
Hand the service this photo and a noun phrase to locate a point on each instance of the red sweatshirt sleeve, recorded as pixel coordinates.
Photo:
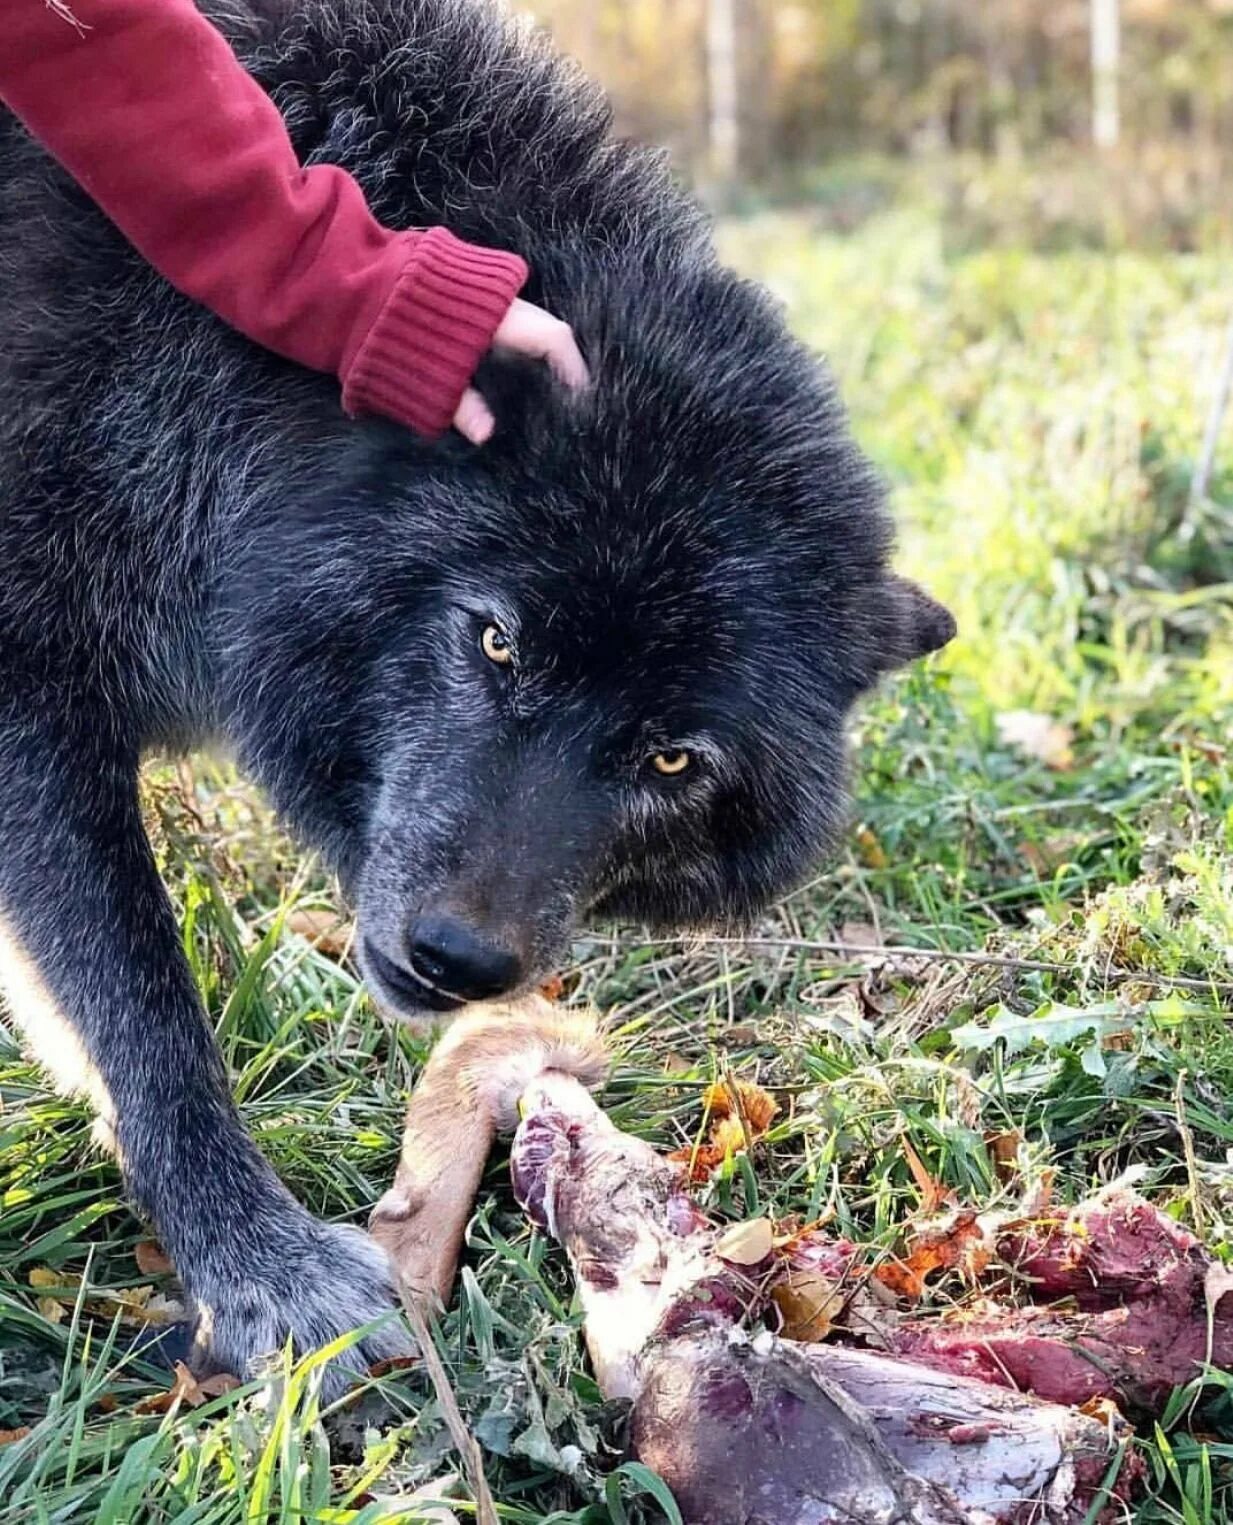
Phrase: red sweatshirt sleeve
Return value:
(147, 107)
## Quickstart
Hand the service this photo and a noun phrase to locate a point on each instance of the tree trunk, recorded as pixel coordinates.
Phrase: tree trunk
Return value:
(723, 95)
(1106, 60)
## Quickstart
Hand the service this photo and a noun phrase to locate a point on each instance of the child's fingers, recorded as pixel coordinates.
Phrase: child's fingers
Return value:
(529, 330)
(473, 418)
(525, 330)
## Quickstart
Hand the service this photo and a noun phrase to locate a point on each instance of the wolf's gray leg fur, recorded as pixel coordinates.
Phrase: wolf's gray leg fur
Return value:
(92, 972)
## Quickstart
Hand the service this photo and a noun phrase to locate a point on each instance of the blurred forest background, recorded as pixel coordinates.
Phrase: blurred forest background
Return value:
(757, 94)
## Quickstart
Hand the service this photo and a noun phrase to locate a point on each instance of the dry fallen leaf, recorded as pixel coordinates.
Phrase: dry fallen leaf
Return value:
(1045, 858)
(933, 1195)
(186, 1389)
(957, 1242)
(152, 1259)
(1004, 1152)
(1037, 736)
(7, 1437)
(744, 1100)
(135, 1305)
(387, 1364)
(727, 1136)
(133, 1302)
(740, 1114)
(328, 932)
(809, 1304)
(869, 850)
(54, 1309)
(1104, 1409)
(746, 1244)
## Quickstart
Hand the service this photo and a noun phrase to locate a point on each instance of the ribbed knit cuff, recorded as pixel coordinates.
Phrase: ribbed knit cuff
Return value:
(421, 352)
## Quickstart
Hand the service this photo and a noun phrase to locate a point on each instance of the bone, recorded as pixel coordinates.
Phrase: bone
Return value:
(470, 1089)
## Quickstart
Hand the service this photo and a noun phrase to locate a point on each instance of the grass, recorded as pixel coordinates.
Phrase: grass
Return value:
(1038, 414)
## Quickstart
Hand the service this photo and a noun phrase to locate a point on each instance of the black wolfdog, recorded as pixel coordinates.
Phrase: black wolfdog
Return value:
(599, 666)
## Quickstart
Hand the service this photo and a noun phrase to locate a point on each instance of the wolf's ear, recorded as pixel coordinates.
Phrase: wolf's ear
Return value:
(907, 623)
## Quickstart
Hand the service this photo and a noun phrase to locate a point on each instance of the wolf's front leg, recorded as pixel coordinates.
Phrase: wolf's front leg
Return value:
(91, 968)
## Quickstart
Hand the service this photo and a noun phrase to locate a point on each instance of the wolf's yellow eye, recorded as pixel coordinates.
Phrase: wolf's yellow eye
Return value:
(494, 643)
(671, 763)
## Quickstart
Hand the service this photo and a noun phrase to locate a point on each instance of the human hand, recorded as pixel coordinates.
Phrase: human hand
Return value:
(525, 330)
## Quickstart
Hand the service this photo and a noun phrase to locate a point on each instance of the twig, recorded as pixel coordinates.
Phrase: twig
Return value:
(941, 955)
(1192, 1162)
(464, 1442)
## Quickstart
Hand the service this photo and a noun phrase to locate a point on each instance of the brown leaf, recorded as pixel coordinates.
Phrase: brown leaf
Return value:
(186, 1389)
(877, 999)
(905, 1278)
(152, 1259)
(869, 850)
(221, 1382)
(1104, 1409)
(136, 1305)
(744, 1100)
(158, 1309)
(44, 1276)
(727, 1136)
(1046, 857)
(1209, 750)
(54, 1309)
(740, 1114)
(1037, 736)
(809, 1304)
(1004, 1152)
(955, 1243)
(387, 1364)
(133, 1301)
(933, 1195)
(7, 1437)
(328, 932)
(746, 1244)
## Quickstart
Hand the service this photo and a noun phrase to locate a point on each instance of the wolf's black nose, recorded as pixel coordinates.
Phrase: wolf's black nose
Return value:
(455, 958)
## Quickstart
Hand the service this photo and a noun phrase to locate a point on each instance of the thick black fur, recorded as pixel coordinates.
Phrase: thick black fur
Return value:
(196, 545)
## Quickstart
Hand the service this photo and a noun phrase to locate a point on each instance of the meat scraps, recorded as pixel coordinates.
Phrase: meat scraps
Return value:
(750, 1428)
(788, 1379)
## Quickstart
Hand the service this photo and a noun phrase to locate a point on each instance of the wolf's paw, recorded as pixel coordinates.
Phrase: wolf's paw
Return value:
(307, 1280)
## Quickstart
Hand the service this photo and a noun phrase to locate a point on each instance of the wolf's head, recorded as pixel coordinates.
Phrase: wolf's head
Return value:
(600, 667)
